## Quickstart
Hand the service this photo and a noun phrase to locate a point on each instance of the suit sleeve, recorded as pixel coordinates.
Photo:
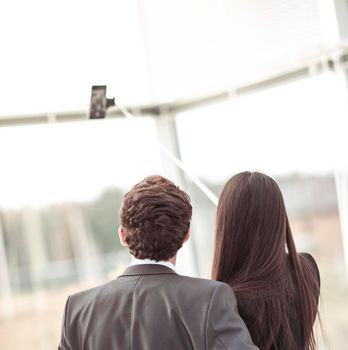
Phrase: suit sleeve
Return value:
(225, 330)
(64, 341)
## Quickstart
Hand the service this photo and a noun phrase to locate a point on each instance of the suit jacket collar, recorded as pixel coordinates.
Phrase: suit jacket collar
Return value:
(147, 269)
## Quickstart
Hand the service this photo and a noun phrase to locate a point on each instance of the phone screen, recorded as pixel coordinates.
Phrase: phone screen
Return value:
(98, 102)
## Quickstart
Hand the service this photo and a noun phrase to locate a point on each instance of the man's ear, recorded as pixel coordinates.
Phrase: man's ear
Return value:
(122, 236)
(188, 235)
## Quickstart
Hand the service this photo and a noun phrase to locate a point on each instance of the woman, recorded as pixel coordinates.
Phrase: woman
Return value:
(277, 289)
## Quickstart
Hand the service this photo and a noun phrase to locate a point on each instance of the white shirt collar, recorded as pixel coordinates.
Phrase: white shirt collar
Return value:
(149, 261)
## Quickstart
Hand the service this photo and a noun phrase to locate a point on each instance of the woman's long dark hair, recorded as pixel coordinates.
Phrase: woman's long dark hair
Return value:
(276, 288)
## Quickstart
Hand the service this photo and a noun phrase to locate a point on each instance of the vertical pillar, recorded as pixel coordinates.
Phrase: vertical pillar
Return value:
(167, 136)
(35, 243)
(85, 251)
(341, 9)
(6, 301)
(341, 177)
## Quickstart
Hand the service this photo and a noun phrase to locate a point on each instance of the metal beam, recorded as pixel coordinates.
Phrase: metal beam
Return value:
(335, 59)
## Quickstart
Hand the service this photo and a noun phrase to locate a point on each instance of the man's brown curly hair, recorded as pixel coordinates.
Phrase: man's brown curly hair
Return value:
(155, 216)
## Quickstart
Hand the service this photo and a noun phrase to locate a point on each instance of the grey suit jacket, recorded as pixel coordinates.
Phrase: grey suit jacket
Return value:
(150, 307)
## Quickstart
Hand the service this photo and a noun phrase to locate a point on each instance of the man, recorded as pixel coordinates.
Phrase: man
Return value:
(150, 306)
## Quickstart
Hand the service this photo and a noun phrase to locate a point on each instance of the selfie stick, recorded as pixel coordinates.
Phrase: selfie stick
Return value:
(213, 198)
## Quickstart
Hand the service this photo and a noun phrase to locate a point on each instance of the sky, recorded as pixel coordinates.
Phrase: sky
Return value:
(74, 161)
(295, 128)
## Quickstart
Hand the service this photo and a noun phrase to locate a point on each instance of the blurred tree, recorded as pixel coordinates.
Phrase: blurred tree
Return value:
(102, 215)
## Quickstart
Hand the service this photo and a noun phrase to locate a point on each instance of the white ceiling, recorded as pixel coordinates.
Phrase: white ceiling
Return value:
(147, 51)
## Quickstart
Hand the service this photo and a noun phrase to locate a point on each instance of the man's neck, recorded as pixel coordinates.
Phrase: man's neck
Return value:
(172, 260)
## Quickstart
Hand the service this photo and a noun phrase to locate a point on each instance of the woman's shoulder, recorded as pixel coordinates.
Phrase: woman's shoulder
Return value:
(307, 259)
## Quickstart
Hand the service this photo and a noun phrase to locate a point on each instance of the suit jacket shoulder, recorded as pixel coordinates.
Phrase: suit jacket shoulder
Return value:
(152, 307)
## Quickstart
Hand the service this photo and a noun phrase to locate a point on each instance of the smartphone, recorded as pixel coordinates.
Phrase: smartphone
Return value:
(98, 102)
